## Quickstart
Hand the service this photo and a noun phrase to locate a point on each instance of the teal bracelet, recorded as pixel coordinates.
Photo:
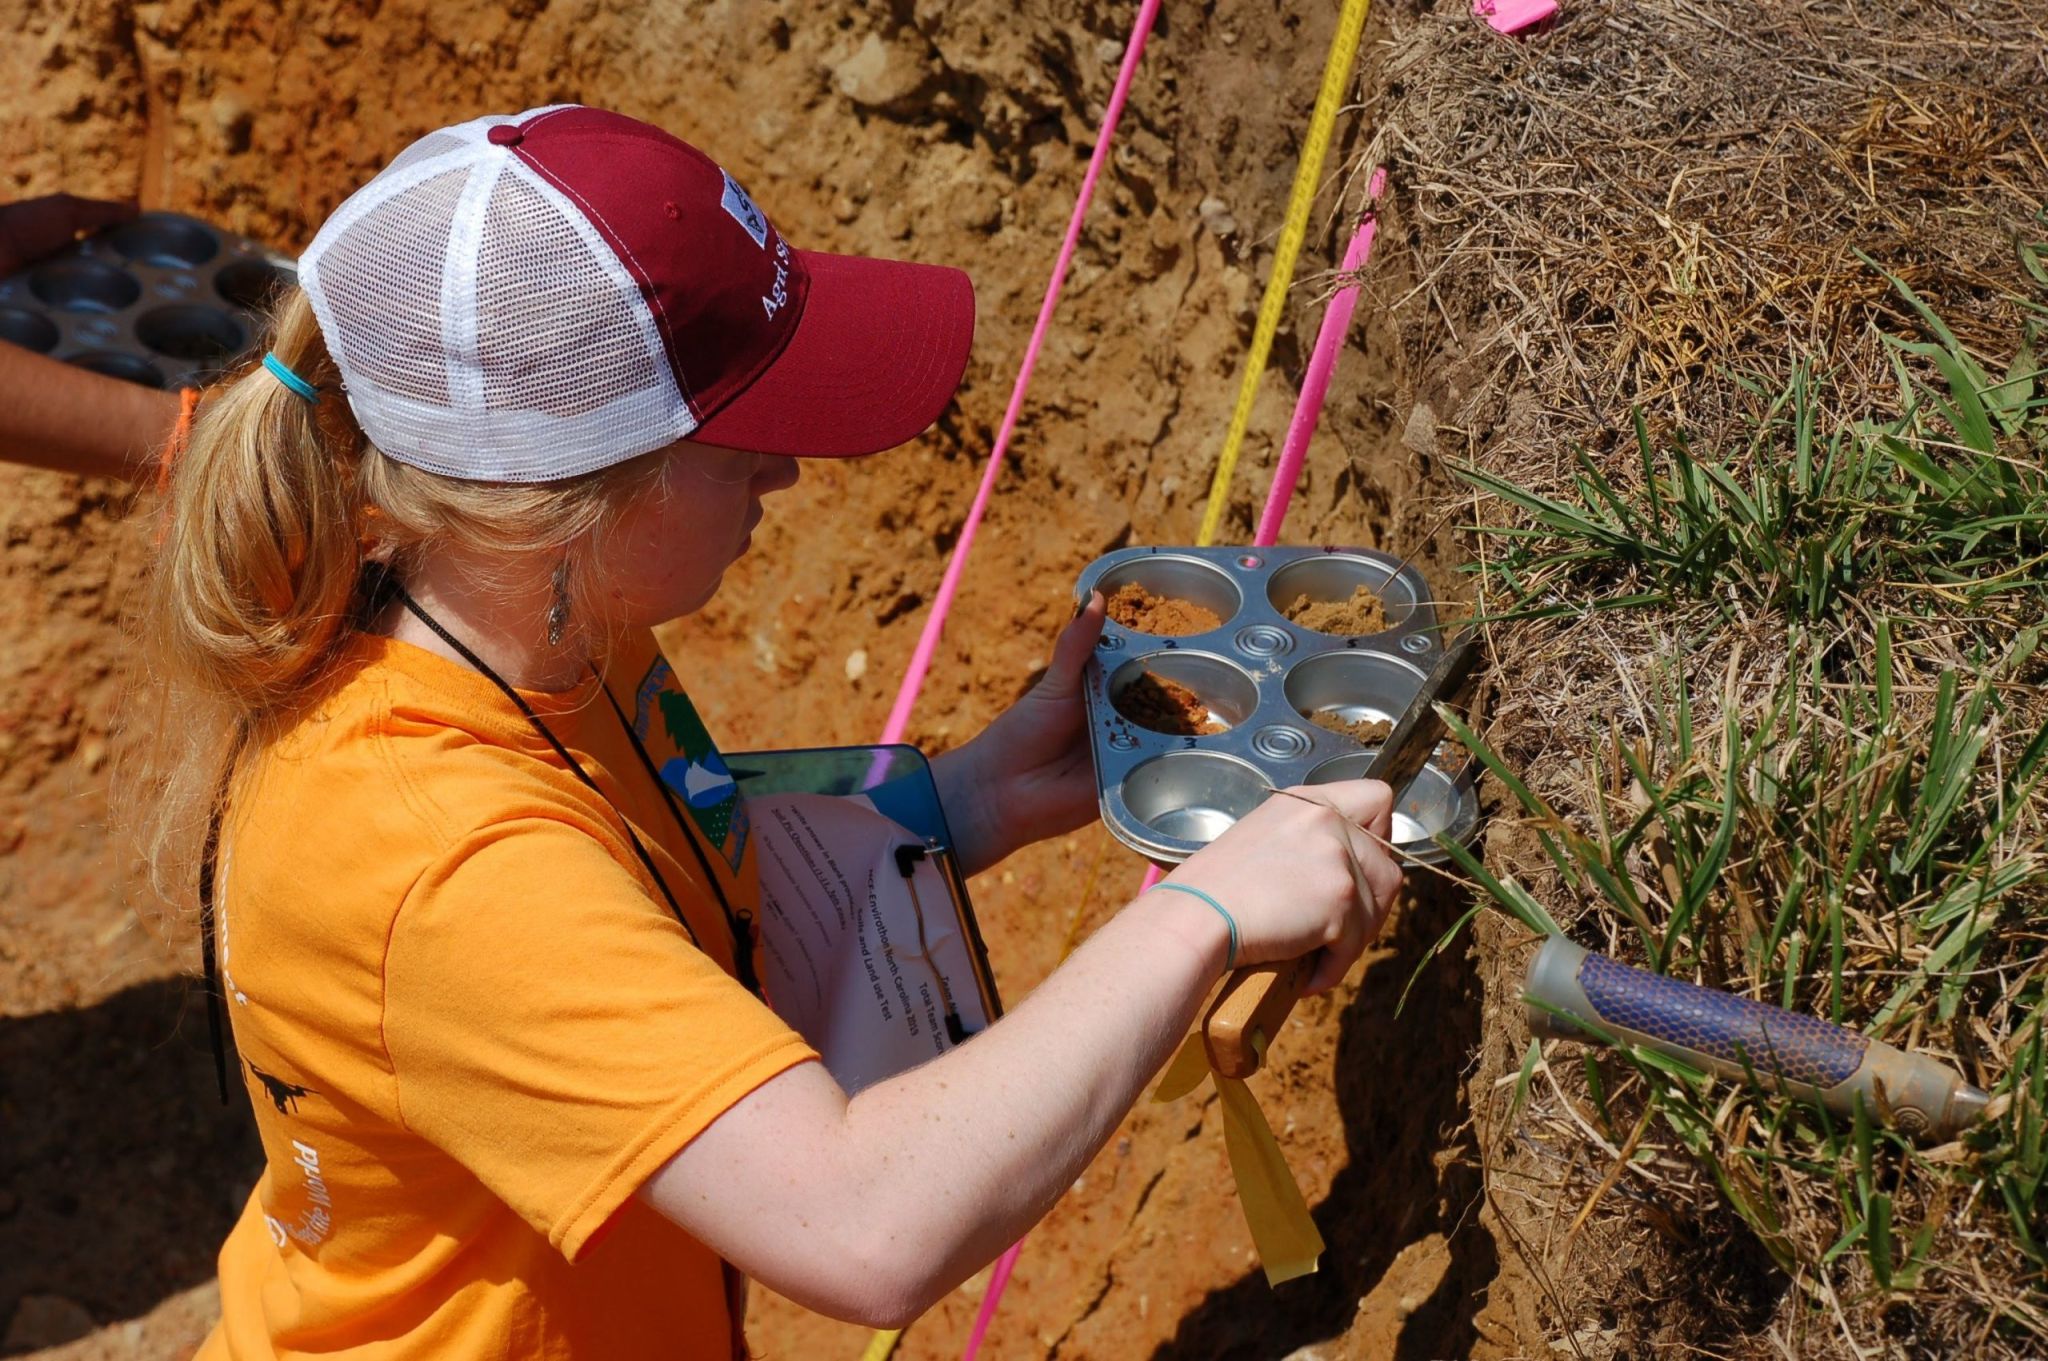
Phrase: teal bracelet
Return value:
(1229, 960)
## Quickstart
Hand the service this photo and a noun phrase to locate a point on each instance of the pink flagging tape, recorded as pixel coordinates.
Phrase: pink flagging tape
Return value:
(1513, 16)
(942, 605)
(998, 1280)
(1315, 384)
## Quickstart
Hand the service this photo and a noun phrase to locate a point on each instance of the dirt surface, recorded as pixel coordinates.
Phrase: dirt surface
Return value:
(950, 133)
(1366, 732)
(1137, 608)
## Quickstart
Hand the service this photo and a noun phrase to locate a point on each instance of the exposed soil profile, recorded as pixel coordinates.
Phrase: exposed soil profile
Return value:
(1137, 608)
(1355, 617)
(1152, 701)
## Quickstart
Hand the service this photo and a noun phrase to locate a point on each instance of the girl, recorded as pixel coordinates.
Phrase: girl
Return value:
(489, 982)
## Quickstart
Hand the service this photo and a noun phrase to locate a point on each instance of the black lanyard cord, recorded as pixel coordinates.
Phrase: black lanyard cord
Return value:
(209, 855)
(646, 860)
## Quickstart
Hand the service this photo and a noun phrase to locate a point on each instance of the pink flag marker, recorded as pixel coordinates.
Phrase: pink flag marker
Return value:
(1513, 16)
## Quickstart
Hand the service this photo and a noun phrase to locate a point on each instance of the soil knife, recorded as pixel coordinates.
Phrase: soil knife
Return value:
(1256, 1001)
(1574, 994)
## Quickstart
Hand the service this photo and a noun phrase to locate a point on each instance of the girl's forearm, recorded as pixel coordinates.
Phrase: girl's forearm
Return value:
(870, 1209)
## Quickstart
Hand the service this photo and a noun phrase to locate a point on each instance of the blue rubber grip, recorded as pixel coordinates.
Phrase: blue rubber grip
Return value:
(1735, 1030)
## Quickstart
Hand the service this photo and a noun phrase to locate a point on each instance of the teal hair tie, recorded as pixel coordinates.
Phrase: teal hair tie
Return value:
(280, 371)
(1229, 960)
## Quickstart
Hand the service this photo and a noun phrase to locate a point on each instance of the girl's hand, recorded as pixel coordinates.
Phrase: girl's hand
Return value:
(1306, 870)
(1029, 775)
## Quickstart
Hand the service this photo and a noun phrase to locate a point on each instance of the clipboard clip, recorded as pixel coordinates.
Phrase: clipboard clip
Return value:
(908, 857)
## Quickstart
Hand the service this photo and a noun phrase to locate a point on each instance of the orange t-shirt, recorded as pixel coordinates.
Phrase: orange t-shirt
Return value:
(470, 1026)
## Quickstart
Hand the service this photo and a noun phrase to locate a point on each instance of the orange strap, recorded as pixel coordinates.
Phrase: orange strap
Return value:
(181, 433)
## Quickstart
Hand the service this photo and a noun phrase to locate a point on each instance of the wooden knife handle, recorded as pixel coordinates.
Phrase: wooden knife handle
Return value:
(1256, 1001)
(1249, 1012)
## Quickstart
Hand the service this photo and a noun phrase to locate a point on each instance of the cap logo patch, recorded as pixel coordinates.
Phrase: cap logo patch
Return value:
(743, 211)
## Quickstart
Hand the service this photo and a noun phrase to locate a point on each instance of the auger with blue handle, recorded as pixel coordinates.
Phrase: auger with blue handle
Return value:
(1574, 994)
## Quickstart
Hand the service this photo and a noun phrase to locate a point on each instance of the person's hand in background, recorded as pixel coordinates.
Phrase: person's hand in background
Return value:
(55, 415)
(36, 227)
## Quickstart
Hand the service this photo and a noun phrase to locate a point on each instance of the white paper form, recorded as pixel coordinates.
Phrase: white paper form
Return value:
(842, 957)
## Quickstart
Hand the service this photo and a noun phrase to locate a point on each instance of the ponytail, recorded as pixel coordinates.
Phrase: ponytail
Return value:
(263, 536)
(251, 593)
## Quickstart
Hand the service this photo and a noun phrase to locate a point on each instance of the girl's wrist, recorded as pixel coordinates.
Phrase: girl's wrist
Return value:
(963, 794)
(1183, 917)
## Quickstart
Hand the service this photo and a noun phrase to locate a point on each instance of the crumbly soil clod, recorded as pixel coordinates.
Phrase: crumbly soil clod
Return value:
(1154, 702)
(1163, 615)
(1363, 613)
(1368, 732)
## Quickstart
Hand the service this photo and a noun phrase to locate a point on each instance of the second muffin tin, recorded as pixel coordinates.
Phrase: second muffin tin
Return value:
(163, 300)
(1167, 795)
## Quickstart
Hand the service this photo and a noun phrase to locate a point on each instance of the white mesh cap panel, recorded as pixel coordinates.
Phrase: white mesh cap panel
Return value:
(547, 297)
(427, 148)
(484, 329)
(380, 279)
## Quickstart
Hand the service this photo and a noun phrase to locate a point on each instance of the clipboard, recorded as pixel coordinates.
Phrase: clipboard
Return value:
(867, 943)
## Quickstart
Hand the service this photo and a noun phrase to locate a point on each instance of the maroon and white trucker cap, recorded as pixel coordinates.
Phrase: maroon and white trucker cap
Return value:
(527, 297)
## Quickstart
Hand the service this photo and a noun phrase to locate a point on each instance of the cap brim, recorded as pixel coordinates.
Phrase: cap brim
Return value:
(875, 357)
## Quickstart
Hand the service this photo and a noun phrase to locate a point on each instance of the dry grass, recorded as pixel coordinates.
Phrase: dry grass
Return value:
(1757, 606)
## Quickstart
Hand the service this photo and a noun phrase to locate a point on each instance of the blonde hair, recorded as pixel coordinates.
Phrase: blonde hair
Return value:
(276, 510)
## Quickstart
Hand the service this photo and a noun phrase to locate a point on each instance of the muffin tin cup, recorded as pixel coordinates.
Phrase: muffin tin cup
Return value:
(1258, 674)
(164, 300)
(1433, 803)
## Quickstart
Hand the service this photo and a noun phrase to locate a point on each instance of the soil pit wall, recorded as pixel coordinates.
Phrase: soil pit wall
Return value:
(948, 133)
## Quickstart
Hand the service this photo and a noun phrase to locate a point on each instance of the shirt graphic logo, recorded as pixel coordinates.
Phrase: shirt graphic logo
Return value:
(283, 1095)
(743, 211)
(690, 765)
(316, 1221)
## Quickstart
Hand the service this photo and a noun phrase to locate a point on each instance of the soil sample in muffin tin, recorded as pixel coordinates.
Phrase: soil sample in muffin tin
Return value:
(1361, 614)
(1367, 732)
(1152, 701)
(1138, 609)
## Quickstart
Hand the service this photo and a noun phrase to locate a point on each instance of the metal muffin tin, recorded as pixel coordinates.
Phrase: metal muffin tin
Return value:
(1166, 795)
(164, 300)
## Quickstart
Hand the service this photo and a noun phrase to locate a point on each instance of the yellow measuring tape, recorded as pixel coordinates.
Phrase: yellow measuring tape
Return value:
(1282, 1229)
(1336, 79)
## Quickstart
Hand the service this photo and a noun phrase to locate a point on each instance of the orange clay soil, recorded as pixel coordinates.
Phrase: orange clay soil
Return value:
(1137, 608)
(1154, 702)
(1361, 614)
(1369, 732)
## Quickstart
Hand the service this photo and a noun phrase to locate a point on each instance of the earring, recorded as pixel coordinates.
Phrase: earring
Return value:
(558, 613)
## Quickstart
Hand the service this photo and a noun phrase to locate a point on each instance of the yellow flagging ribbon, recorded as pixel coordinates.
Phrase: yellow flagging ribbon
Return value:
(1288, 1241)
(1336, 80)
